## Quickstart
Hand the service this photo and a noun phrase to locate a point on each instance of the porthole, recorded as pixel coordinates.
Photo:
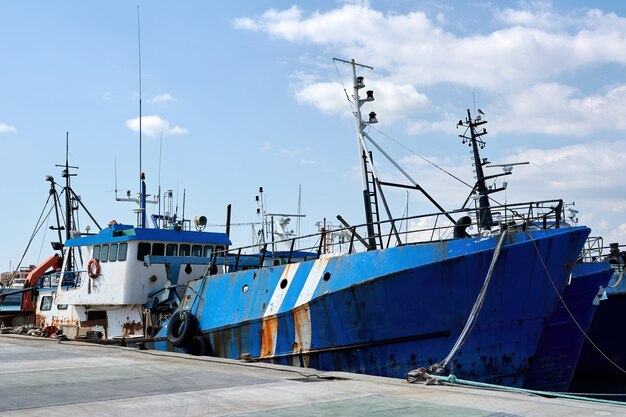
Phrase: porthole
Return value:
(326, 276)
(283, 283)
(244, 289)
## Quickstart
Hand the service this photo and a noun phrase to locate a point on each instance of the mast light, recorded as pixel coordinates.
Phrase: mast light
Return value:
(359, 82)
(372, 118)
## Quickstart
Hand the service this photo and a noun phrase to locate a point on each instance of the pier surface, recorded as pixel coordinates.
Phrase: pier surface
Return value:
(45, 377)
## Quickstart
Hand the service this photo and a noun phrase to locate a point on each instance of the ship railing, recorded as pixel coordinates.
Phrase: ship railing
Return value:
(417, 229)
(70, 279)
(593, 250)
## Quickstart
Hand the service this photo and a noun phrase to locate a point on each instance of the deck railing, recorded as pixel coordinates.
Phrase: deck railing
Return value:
(547, 214)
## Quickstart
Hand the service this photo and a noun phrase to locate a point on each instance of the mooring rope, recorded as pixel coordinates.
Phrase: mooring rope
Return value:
(478, 304)
(568, 310)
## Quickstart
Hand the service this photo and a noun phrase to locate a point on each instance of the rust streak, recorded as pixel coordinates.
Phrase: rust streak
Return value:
(132, 328)
(268, 336)
(302, 324)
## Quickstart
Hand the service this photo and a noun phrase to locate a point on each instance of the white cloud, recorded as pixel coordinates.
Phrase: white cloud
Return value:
(584, 174)
(4, 128)
(162, 98)
(154, 126)
(534, 45)
(395, 101)
(553, 108)
(245, 23)
(266, 146)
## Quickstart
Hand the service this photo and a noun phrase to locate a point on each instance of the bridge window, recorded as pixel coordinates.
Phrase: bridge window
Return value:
(46, 303)
(61, 306)
(172, 249)
(158, 249)
(121, 253)
(185, 250)
(143, 249)
(196, 250)
(208, 250)
(105, 253)
(113, 252)
(96, 252)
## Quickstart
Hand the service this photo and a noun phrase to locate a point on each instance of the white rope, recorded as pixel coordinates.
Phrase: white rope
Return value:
(478, 304)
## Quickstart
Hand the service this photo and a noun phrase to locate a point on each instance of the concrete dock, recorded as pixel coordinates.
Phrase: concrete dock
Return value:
(51, 378)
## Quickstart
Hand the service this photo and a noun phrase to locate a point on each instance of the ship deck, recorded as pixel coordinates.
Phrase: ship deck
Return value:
(47, 377)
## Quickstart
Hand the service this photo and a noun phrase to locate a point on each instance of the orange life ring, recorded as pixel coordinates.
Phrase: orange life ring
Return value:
(93, 268)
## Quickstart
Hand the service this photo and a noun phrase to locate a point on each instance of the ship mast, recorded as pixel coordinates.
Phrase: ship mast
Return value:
(69, 209)
(142, 196)
(369, 191)
(484, 218)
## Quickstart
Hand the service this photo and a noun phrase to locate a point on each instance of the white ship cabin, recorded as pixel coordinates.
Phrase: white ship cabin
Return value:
(106, 282)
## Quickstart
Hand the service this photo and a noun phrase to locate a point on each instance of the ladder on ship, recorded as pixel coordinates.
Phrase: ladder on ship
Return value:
(372, 194)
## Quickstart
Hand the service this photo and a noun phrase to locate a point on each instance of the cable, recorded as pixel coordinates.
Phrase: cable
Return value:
(567, 308)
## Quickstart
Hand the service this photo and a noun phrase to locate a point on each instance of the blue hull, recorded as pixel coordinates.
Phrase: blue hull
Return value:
(389, 311)
(561, 343)
(607, 333)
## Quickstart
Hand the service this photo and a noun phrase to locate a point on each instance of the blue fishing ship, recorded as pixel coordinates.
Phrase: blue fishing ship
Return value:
(472, 292)
(603, 355)
(559, 349)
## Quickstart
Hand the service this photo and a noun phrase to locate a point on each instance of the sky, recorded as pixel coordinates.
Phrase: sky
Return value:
(237, 95)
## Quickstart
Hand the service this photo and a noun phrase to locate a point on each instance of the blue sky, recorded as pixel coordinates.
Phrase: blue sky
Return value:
(245, 94)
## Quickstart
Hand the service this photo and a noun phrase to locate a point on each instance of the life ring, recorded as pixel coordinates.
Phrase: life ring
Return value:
(181, 327)
(93, 268)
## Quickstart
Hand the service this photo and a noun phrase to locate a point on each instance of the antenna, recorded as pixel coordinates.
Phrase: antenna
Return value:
(474, 101)
(298, 220)
(142, 195)
(160, 159)
(115, 174)
(139, 56)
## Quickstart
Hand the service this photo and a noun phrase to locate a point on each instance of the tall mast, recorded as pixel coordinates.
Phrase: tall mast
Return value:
(69, 211)
(141, 218)
(485, 219)
(368, 193)
(142, 196)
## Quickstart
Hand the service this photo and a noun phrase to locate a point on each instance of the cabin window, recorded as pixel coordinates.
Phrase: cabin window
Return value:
(121, 253)
(105, 253)
(113, 252)
(185, 250)
(142, 250)
(172, 249)
(46, 303)
(196, 250)
(96, 315)
(96, 252)
(220, 250)
(208, 250)
(158, 249)
(61, 306)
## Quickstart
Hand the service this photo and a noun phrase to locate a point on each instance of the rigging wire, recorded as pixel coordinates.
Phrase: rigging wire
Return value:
(545, 268)
(38, 227)
(422, 157)
(342, 84)
(43, 238)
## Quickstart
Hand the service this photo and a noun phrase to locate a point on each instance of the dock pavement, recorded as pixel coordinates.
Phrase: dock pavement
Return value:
(43, 377)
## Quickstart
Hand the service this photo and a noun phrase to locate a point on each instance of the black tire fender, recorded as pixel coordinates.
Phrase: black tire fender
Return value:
(199, 346)
(181, 328)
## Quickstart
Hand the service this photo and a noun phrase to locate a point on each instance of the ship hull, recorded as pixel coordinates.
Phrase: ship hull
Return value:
(389, 311)
(561, 343)
(608, 336)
